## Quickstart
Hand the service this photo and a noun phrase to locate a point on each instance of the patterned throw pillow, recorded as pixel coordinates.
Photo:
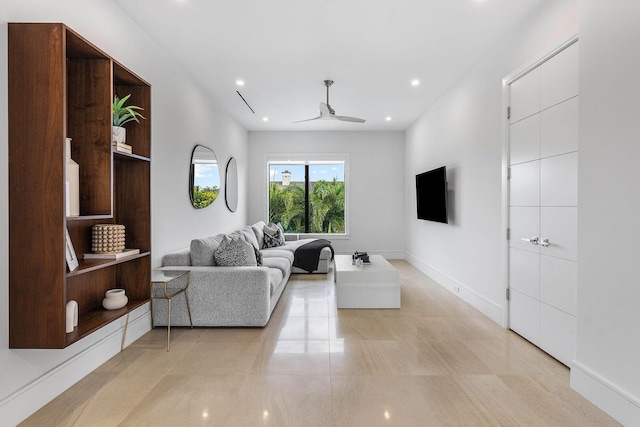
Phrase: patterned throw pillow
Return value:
(272, 237)
(230, 253)
(279, 226)
(258, 257)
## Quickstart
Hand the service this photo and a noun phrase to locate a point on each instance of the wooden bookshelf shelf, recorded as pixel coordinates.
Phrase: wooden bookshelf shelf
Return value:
(62, 86)
(87, 266)
(95, 319)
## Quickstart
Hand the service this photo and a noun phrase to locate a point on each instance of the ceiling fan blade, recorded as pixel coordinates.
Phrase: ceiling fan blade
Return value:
(349, 119)
(308, 120)
(328, 113)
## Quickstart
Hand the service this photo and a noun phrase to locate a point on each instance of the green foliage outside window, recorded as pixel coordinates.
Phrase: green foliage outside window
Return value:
(326, 207)
(203, 197)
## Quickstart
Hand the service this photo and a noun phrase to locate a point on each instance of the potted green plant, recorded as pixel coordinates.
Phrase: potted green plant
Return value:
(123, 114)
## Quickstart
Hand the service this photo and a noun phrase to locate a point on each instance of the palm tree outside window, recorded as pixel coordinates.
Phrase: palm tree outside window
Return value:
(308, 197)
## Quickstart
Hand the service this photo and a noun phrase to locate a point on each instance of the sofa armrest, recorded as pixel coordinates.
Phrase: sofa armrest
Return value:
(181, 257)
(228, 296)
(291, 237)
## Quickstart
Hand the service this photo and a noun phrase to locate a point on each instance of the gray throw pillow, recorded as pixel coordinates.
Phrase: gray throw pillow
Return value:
(202, 250)
(250, 252)
(249, 236)
(230, 253)
(257, 230)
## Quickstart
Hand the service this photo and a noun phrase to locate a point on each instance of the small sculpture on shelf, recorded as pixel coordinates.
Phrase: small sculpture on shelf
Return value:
(114, 299)
(71, 316)
(107, 238)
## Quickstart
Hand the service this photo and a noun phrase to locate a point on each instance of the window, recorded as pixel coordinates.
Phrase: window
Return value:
(308, 196)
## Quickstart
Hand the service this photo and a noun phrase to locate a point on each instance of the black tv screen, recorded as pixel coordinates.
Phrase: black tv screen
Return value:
(431, 195)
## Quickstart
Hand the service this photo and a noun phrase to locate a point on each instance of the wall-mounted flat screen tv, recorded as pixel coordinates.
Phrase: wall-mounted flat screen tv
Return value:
(431, 195)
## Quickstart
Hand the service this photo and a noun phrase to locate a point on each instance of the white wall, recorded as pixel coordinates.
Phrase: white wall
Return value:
(464, 131)
(607, 369)
(376, 180)
(182, 117)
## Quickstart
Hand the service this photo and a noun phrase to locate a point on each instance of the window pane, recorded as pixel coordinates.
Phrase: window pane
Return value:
(326, 198)
(286, 196)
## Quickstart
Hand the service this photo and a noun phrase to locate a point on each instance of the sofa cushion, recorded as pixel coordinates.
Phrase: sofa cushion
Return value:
(249, 236)
(281, 264)
(257, 230)
(202, 250)
(231, 252)
(278, 252)
(275, 280)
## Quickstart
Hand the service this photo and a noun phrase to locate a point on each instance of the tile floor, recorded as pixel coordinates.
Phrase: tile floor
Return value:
(435, 362)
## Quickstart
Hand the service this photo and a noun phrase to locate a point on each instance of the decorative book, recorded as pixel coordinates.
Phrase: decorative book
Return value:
(122, 147)
(125, 253)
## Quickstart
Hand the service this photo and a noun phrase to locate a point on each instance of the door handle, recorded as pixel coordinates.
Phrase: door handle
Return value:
(533, 240)
(544, 242)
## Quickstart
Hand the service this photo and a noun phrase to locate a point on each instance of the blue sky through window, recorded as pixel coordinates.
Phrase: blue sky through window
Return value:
(317, 172)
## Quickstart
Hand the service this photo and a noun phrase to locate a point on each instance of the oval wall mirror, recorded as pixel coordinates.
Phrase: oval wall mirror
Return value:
(231, 185)
(204, 177)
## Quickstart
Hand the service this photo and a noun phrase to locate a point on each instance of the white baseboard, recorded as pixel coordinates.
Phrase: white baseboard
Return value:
(619, 404)
(19, 405)
(487, 307)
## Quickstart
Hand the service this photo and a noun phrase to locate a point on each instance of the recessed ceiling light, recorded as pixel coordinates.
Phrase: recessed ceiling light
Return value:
(388, 119)
(415, 82)
(240, 82)
(265, 119)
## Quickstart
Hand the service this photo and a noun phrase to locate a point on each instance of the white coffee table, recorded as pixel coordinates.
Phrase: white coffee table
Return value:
(374, 285)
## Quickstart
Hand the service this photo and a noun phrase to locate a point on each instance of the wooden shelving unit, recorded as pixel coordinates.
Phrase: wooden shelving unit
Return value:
(61, 85)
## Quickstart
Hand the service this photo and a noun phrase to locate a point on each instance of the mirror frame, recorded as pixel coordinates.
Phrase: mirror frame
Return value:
(231, 185)
(192, 176)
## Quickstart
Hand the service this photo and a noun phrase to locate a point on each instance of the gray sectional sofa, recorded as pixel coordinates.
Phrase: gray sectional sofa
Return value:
(232, 296)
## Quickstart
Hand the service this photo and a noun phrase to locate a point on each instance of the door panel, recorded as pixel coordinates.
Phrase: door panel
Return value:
(525, 96)
(524, 224)
(559, 129)
(559, 77)
(558, 331)
(559, 283)
(525, 316)
(560, 226)
(559, 180)
(525, 184)
(524, 275)
(525, 140)
(543, 200)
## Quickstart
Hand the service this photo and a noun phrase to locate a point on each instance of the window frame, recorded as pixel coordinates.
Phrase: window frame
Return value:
(311, 159)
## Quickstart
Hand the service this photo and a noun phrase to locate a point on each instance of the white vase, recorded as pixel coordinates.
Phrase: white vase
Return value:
(114, 299)
(72, 183)
(119, 134)
(71, 316)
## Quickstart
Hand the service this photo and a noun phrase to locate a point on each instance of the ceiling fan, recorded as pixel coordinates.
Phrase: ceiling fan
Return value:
(328, 113)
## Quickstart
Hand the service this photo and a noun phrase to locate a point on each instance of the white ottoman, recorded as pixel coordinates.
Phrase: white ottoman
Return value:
(374, 285)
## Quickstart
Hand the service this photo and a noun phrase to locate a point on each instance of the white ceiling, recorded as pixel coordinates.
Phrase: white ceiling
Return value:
(284, 49)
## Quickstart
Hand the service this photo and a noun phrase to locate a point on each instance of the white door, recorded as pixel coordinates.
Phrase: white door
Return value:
(543, 204)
